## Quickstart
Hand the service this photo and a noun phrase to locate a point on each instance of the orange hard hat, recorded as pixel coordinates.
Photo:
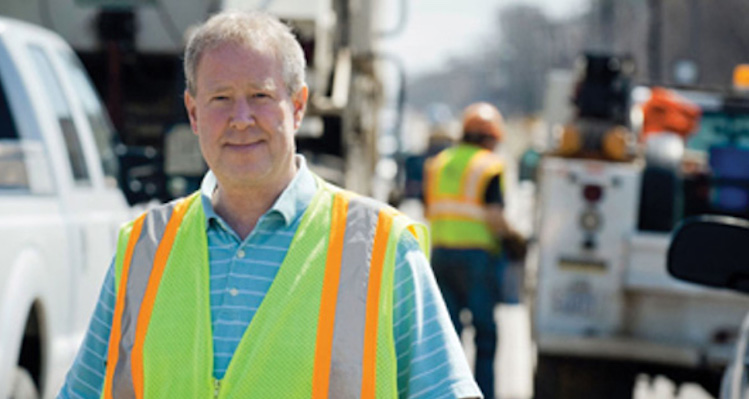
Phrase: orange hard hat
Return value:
(483, 118)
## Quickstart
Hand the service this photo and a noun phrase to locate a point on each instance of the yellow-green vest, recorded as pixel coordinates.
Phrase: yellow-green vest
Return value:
(456, 180)
(323, 330)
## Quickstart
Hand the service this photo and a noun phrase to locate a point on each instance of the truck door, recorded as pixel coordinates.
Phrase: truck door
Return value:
(105, 208)
(87, 205)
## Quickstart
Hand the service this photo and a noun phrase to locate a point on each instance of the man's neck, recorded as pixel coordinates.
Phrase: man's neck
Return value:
(242, 206)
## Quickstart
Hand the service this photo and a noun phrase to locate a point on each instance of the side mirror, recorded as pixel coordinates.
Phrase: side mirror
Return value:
(712, 251)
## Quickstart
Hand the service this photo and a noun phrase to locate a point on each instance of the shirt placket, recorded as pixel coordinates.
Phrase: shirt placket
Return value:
(238, 266)
(225, 310)
(231, 291)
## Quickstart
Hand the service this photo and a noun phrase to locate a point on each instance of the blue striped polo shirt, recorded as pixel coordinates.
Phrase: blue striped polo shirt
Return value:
(431, 362)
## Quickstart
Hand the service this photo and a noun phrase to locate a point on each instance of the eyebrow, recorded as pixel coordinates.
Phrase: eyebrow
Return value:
(218, 89)
(267, 84)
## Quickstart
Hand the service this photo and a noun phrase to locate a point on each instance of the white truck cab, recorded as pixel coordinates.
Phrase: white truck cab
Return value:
(60, 207)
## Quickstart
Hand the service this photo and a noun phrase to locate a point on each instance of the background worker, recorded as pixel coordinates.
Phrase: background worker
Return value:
(464, 205)
(268, 282)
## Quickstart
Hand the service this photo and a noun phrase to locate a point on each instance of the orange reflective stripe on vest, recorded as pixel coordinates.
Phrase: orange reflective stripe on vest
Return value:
(115, 338)
(384, 223)
(326, 321)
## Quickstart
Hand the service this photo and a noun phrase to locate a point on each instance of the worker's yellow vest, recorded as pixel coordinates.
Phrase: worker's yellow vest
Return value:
(323, 330)
(456, 180)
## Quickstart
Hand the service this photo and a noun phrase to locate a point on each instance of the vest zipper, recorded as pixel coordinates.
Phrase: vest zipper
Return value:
(216, 388)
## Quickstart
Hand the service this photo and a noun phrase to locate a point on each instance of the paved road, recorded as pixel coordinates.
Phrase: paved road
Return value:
(515, 355)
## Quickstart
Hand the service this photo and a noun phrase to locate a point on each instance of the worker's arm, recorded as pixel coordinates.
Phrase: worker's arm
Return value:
(513, 243)
(494, 200)
(495, 218)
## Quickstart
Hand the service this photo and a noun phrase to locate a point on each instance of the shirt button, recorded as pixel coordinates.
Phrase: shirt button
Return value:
(240, 254)
(233, 292)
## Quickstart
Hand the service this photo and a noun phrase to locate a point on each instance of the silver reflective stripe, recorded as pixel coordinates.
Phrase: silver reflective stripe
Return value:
(139, 273)
(350, 314)
(449, 208)
(476, 169)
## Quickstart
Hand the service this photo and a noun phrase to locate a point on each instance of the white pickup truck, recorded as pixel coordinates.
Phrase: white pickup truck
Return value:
(59, 207)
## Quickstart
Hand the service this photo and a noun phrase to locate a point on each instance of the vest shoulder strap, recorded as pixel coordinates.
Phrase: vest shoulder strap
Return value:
(401, 222)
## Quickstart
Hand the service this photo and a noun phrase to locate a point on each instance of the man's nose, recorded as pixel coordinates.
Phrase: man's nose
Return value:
(243, 115)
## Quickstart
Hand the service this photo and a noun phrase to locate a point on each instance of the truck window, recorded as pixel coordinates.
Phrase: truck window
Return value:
(7, 122)
(61, 108)
(13, 169)
(99, 121)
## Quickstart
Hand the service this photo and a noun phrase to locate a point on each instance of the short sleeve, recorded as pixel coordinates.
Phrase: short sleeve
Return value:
(431, 361)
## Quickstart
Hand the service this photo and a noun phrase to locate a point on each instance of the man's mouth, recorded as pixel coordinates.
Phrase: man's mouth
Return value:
(244, 146)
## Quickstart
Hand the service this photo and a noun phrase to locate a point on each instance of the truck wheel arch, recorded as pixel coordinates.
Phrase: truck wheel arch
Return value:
(32, 353)
(23, 314)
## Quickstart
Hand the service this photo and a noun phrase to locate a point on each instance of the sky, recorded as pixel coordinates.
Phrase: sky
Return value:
(439, 30)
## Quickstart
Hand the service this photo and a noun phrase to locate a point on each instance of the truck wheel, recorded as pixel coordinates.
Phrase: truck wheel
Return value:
(559, 377)
(22, 386)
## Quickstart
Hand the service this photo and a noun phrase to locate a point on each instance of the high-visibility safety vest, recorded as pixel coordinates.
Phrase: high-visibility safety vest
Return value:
(456, 180)
(323, 330)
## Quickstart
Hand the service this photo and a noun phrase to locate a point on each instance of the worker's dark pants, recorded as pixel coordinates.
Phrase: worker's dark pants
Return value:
(468, 280)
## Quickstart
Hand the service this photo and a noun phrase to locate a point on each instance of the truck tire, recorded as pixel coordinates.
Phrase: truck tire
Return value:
(22, 386)
(559, 377)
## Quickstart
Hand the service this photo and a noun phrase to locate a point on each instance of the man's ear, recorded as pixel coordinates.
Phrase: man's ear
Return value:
(299, 101)
(190, 106)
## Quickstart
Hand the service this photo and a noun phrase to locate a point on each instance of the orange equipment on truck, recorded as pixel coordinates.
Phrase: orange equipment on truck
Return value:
(665, 111)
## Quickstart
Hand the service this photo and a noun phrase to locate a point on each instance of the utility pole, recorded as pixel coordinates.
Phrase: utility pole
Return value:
(602, 25)
(607, 24)
(655, 40)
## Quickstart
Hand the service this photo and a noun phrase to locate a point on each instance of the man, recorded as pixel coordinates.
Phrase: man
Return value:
(269, 282)
(464, 205)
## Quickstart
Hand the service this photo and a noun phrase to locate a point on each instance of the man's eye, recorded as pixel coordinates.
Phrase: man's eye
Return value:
(220, 98)
(260, 95)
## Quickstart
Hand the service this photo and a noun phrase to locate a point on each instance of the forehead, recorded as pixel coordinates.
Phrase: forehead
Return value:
(232, 61)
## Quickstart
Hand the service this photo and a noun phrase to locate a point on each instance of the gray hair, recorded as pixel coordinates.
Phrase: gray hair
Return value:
(254, 29)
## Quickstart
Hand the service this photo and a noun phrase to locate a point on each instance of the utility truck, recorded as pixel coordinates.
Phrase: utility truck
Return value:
(60, 207)
(604, 308)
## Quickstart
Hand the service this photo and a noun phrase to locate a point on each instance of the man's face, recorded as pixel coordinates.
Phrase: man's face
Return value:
(244, 116)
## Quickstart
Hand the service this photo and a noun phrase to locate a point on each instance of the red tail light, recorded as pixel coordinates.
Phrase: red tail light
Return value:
(592, 192)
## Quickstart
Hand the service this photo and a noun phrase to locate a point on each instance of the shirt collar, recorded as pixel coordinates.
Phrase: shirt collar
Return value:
(290, 205)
